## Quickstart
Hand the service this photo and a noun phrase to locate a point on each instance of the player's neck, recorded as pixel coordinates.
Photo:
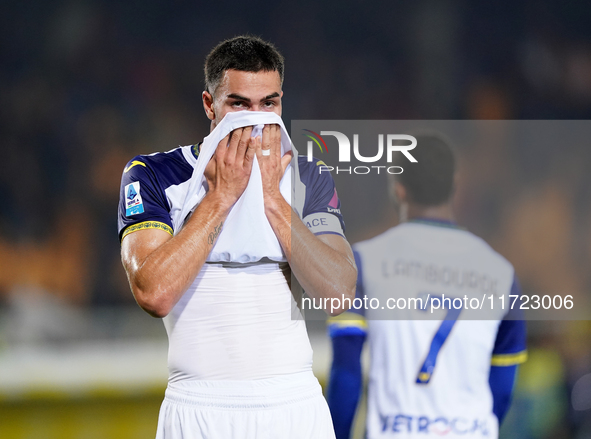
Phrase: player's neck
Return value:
(443, 212)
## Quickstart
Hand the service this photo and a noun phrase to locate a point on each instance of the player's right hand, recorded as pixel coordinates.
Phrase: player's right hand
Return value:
(228, 171)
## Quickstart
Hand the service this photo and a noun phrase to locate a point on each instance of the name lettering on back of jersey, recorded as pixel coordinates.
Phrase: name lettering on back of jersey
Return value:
(454, 277)
(133, 200)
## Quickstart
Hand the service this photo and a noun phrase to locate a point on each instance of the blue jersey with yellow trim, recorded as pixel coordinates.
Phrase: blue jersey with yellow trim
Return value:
(153, 188)
(431, 377)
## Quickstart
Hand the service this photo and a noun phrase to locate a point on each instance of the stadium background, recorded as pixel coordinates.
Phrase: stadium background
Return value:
(86, 85)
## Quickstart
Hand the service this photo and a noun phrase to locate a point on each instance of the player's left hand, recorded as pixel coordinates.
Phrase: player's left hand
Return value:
(272, 164)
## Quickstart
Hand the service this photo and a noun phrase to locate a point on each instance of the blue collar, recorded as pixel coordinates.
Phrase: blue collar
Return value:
(436, 222)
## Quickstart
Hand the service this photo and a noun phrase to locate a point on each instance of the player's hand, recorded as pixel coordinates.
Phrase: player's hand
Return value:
(228, 171)
(272, 164)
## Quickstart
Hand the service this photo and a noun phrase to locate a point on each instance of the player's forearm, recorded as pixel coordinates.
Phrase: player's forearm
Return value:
(323, 271)
(160, 280)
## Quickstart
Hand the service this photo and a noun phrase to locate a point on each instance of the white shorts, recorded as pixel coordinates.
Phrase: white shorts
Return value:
(284, 407)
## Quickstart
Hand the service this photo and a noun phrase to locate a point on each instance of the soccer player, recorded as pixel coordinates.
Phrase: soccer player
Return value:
(239, 364)
(428, 378)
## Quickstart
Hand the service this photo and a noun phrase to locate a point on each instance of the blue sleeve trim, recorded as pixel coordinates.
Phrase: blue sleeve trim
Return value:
(511, 335)
(321, 194)
(515, 313)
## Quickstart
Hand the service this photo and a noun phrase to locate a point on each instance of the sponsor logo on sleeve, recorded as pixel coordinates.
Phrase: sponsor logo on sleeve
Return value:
(133, 200)
(333, 205)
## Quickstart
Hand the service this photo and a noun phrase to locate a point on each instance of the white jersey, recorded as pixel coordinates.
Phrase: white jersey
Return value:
(236, 321)
(430, 377)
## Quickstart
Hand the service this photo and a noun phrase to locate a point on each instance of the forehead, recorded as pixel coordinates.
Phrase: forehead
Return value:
(249, 84)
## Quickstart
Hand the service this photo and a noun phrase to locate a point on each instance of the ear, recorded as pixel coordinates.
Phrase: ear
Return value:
(208, 105)
(280, 104)
(399, 192)
(399, 197)
(455, 184)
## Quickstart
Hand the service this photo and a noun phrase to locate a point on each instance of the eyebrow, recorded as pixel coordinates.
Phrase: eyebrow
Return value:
(242, 98)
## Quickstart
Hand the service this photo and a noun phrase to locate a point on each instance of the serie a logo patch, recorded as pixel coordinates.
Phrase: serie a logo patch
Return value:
(133, 200)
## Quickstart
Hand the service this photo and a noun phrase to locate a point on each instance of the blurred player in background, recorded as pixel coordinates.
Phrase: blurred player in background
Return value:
(446, 377)
(239, 365)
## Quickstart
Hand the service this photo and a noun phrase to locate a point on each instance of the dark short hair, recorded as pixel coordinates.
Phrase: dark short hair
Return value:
(245, 53)
(429, 181)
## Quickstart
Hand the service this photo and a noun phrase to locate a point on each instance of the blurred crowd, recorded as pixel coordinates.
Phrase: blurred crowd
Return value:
(86, 85)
